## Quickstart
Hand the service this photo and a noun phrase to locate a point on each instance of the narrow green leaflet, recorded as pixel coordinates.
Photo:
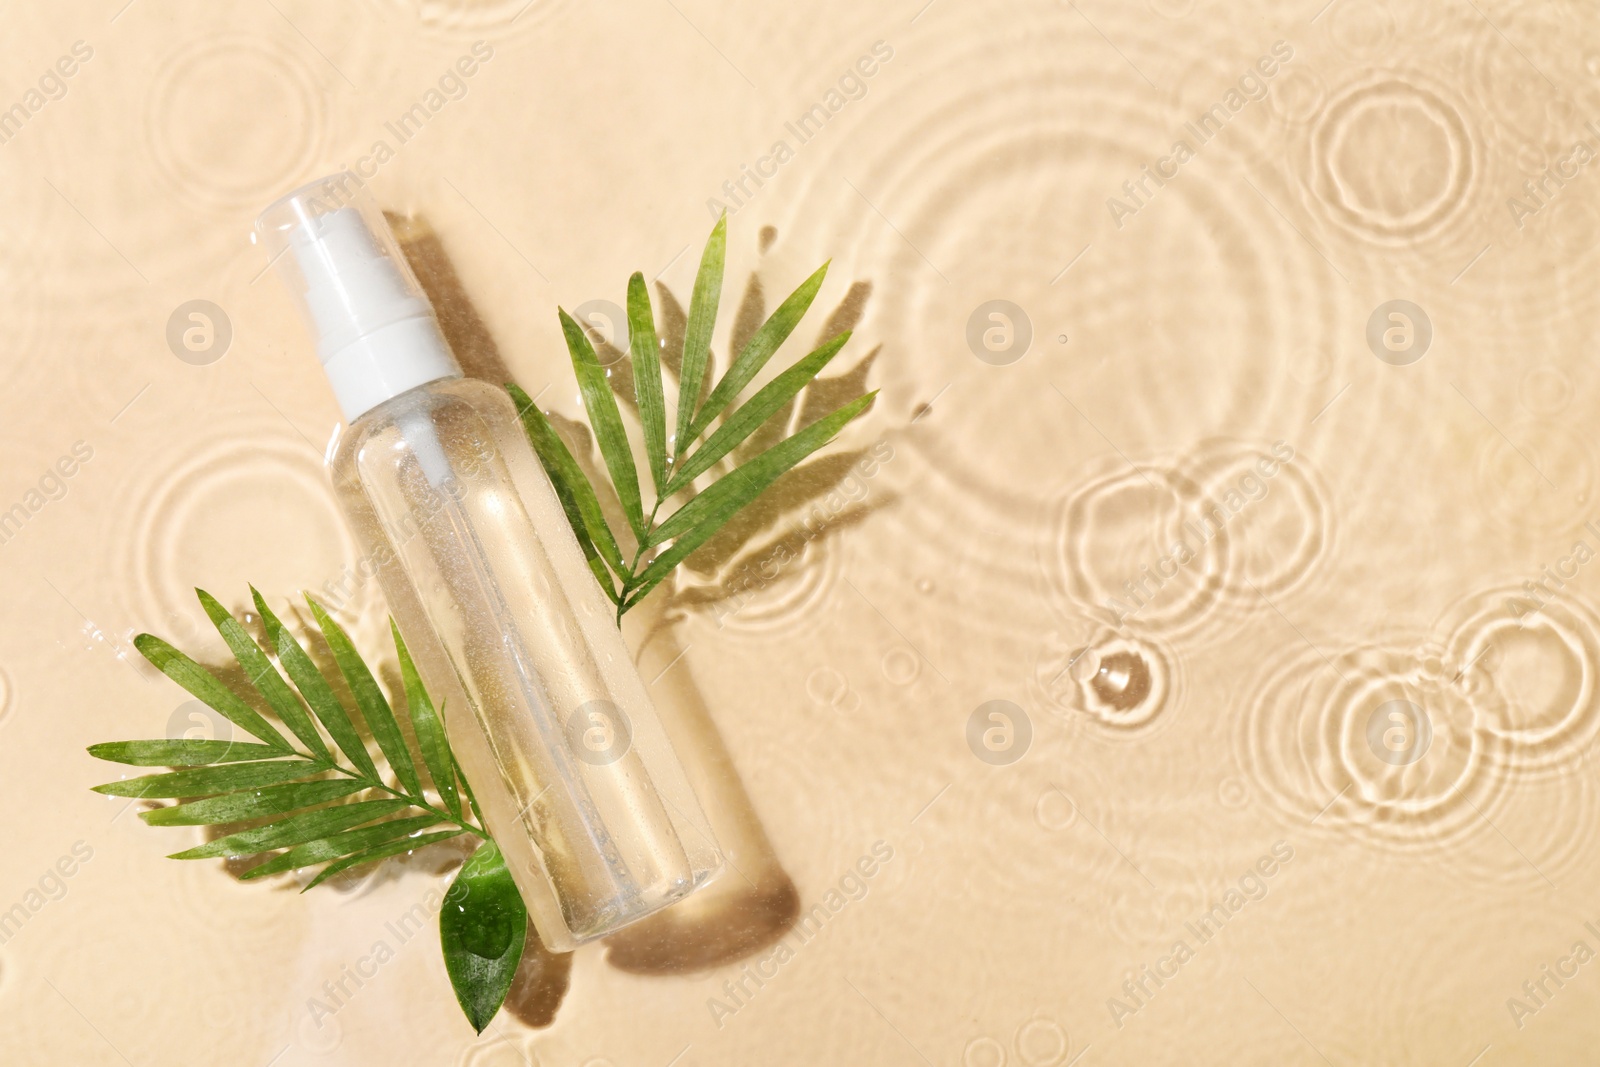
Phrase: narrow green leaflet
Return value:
(329, 848)
(394, 848)
(253, 803)
(369, 698)
(209, 780)
(606, 421)
(466, 786)
(209, 689)
(697, 335)
(756, 411)
(295, 830)
(577, 496)
(647, 379)
(180, 752)
(758, 350)
(483, 926)
(263, 675)
(698, 520)
(315, 688)
(429, 730)
(746, 481)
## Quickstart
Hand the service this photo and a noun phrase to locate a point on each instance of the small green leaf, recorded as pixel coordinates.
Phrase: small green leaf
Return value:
(180, 752)
(314, 687)
(209, 780)
(751, 415)
(577, 496)
(757, 351)
(606, 421)
(647, 378)
(483, 926)
(369, 698)
(697, 335)
(695, 522)
(209, 689)
(429, 730)
(393, 848)
(328, 848)
(263, 675)
(294, 830)
(253, 803)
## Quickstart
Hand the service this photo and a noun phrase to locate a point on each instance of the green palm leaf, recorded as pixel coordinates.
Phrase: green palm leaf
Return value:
(427, 727)
(180, 752)
(647, 379)
(697, 335)
(606, 421)
(295, 830)
(779, 325)
(263, 675)
(344, 844)
(697, 521)
(369, 698)
(305, 803)
(752, 428)
(208, 688)
(253, 803)
(314, 687)
(751, 415)
(209, 780)
(394, 848)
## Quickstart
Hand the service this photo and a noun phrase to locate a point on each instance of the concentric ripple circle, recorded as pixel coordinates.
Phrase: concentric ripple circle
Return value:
(1393, 160)
(243, 503)
(193, 131)
(1131, 541)
(1529, 662)
(1304, 738)
(1276, 505)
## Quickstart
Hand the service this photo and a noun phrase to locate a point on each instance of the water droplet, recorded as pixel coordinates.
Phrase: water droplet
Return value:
(1123, 680)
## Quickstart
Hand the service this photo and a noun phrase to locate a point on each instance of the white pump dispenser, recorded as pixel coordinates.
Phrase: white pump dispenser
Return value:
(374, 328)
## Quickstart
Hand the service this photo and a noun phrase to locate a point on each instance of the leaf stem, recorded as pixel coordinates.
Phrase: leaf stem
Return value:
(414, 801)
(638, 553)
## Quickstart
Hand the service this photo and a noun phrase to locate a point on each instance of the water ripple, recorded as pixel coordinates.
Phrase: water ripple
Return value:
(1532, 670)
(1320, 737)
(194, 136)
(1394, 160)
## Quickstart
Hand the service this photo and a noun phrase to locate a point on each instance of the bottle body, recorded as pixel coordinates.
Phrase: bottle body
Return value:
(575, 778)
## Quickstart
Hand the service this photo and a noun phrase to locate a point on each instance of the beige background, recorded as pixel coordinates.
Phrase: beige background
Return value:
(1174, 339)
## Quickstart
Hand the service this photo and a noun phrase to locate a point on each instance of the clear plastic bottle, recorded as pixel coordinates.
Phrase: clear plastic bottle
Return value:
(575, 778)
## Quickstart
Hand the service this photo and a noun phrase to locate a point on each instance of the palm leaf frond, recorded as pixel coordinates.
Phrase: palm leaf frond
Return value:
(750, 438)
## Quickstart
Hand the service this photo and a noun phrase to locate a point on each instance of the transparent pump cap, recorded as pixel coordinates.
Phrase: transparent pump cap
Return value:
(374, 328)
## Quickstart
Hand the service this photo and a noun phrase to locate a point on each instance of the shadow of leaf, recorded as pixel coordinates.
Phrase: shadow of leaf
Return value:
(463, 327)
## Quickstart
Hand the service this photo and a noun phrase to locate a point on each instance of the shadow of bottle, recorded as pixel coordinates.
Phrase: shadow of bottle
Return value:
(752, 901)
